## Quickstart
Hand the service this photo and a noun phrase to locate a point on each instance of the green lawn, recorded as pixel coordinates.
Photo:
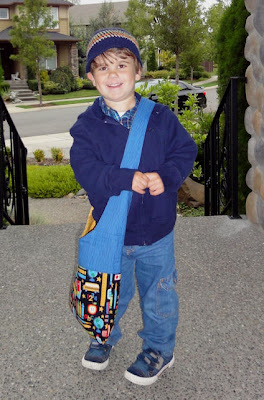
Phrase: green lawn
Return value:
(61, 103)
(71, 95)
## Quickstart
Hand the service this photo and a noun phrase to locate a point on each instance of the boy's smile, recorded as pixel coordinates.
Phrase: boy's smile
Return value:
(114, 78)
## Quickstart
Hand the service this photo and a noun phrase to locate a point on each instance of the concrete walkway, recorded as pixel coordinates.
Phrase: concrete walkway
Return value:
(219, 352)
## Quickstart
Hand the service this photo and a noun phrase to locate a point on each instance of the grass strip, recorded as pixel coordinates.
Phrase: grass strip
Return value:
(58, 103)
(51, 181)
(71, 95)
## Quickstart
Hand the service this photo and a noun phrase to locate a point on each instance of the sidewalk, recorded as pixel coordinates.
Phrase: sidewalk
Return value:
(219, 352)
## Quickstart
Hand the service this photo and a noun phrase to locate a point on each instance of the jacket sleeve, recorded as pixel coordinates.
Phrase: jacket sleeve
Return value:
(99, 179)
(181, 152)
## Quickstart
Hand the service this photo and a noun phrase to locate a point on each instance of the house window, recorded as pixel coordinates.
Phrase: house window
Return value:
(49, 63)
(4, 13)
(55, 16)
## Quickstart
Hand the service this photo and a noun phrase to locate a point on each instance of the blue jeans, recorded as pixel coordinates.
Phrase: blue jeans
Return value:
(156, 276)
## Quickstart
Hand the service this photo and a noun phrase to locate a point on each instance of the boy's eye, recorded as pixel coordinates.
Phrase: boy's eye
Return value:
(102, 68)
(121, 66)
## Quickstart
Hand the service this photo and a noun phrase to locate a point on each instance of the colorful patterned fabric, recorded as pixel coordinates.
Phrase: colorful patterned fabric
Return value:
(110, 38)
(94, 301)
(126, 119)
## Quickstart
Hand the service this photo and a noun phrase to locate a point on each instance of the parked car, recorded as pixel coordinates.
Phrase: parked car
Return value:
(185, 90)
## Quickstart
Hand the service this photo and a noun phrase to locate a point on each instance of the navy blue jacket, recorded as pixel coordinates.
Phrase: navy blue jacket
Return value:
(96, 154)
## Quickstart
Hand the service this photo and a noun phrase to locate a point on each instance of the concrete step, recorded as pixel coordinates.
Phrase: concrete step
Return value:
(29, 98)
(25, 92)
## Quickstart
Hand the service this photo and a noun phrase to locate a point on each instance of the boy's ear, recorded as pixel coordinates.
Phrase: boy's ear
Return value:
(138, 74)
(91, 77)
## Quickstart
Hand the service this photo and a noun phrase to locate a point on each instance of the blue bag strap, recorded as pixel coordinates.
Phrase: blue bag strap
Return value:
(115, 213)
(101, 249)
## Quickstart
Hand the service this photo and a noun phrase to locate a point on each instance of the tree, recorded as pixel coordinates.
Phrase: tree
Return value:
(231, 41)
(29, 36)
(213, 19)
(139, 20)
(107, 16)
(178, 26)
(192, 58)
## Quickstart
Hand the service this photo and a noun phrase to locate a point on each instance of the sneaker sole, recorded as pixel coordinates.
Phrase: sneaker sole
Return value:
(94, 365)
(139, 380)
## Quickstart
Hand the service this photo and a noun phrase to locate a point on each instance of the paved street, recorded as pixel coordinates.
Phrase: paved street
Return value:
(49, 127)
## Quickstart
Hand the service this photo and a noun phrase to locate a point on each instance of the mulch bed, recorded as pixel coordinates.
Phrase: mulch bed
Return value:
(47, 162)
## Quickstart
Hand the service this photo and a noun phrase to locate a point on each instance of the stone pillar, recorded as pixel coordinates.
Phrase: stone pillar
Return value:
(254, 120)
(74, 60)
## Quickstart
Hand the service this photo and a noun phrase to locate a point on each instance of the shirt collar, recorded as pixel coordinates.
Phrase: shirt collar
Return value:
(126, 119)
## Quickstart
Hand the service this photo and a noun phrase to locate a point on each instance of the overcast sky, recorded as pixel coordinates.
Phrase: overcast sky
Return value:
(207, 3)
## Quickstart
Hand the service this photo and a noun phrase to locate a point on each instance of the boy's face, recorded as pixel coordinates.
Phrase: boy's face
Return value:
(114, 78)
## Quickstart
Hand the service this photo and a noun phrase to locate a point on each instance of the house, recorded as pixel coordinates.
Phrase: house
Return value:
(66, 49)
(80, 15)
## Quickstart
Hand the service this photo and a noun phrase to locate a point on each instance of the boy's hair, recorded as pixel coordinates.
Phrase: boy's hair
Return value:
(123, 53)
(111, 38)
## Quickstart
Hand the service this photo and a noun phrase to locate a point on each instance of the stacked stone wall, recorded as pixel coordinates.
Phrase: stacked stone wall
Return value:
(254, 116)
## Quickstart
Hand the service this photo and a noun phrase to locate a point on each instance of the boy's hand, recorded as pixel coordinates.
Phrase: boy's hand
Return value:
(155, 183)
(140, 182)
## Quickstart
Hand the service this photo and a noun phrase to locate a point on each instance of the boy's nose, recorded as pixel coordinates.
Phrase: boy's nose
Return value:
(113, 72)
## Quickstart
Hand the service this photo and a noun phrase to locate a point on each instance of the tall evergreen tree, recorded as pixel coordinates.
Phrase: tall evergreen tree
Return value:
(29, 36)
(231, 62)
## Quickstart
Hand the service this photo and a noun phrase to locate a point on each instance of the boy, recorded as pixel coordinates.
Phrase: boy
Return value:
(100, 135)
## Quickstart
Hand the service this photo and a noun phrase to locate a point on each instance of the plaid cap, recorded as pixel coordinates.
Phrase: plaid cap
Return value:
(109, 38)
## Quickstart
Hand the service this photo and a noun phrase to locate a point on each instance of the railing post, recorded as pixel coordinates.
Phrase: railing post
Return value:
(221, 167)
(2, 170)
(13, 175)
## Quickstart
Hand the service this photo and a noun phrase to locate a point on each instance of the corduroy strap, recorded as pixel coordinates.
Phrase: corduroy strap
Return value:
(102, 247)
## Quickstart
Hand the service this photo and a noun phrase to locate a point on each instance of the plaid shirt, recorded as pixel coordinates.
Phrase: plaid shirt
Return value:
(126, 119)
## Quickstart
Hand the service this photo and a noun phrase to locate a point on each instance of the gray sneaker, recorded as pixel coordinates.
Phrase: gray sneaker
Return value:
(97, 356)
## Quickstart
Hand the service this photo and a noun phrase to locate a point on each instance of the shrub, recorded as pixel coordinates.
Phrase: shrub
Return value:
(33, 85)
(44, 76)
(52, 181)
(39, 155)
(61, 79)
(5, 86)
(56, 154)
(79, 83)
(88, 84)
(52, 88)
(65, 77)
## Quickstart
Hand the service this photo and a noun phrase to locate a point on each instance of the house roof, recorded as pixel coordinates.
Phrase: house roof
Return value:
(54, 36)
(81, 14)
(50, 2)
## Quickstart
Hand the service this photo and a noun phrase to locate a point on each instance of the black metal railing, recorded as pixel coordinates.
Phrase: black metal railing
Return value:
(13, 173)
(221, 156)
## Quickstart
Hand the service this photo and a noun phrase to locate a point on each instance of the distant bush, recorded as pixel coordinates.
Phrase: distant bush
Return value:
(51, 181)
(61, 79)
(39, 155)
(5, 86)
(44, 76)
(88, 84)
(33, 85)
(51, 87)
(56, 154)
(65, 77)
(79, 83)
